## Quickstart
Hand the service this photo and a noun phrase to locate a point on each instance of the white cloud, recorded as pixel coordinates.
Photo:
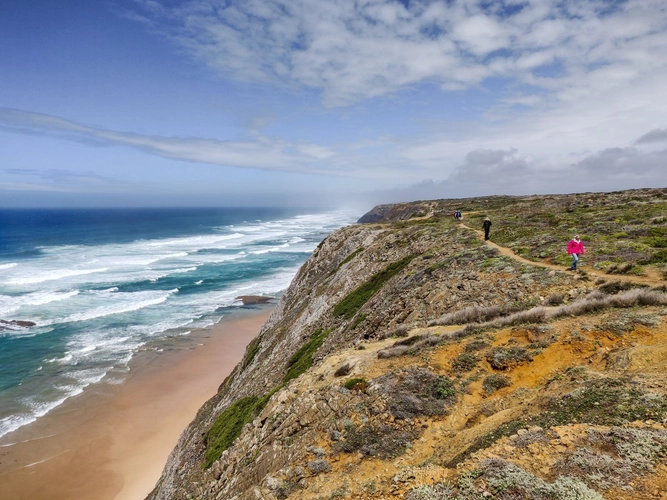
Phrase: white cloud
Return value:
(487, 172)
(356, 50)
(481, 35)
(258, 152)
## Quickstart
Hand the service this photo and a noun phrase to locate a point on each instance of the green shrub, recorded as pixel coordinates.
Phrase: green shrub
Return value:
(464, 362)
(351, 256)
(251, 351)
(227, 427)
(356, 384)
(502, 358)
(655, 241)
(350, 304)
(358, 320)
(376, 440)
(656, 258)
(476, 345)
(347, 259)
(229, 424)
(302, 359)
(494, 382)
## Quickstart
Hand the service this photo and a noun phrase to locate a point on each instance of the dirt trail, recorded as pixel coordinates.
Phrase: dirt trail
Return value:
(652, 279)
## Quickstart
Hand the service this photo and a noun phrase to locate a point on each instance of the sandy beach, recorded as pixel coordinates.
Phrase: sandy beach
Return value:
(112, 441)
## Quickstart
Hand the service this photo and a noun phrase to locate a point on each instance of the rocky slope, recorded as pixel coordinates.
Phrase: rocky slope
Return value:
(410, 359)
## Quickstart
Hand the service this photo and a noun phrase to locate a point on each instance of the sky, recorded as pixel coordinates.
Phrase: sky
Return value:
(327, 103)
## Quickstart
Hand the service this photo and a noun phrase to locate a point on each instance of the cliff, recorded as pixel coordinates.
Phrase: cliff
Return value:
(411, 359)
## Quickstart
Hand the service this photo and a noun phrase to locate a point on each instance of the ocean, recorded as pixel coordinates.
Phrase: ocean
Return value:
(103, 284)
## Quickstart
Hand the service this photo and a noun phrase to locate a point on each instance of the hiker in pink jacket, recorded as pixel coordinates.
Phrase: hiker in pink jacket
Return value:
(575, 248)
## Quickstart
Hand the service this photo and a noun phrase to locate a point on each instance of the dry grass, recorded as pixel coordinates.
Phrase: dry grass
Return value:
(534, 315)
(595, 301)
(472, 314)
(598, 301)
(401, 331)
(555, 299)
(410, 345)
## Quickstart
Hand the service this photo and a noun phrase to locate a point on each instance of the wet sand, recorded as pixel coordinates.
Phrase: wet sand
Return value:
(112, 441)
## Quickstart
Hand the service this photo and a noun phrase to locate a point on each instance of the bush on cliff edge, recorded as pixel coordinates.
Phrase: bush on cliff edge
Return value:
(354, 301)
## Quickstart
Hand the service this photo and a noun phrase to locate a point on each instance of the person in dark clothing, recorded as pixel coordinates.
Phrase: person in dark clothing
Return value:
(487, 228)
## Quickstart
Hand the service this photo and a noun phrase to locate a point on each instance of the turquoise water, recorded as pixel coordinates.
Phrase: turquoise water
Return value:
(102, 284)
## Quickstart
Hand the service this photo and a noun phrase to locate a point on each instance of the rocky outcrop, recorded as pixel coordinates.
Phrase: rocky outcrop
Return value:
(394, 212)
(14, 324)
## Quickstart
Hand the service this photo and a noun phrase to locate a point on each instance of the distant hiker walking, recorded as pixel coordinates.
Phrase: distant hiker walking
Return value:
(575, 248)
(487, 228)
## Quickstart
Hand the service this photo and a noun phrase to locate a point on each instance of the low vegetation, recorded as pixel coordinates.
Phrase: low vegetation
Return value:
(377, 440)
(626, 229)
(356, 384)
(464, 362)
(494, 382)
(498, 479)
(410, 346)
(227, 427)
(302, 359)
(504, 358)
(416, 392)
(354, 301)
(604, 401)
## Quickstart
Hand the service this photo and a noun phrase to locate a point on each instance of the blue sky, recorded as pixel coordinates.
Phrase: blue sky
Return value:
(259, 102)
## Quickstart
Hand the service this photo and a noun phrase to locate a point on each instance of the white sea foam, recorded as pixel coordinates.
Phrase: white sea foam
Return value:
(184, 270)
(53, 275)
(116, 309)
(11, 304)
(91, 348)
(8, 266)
(115, 261)
(12, 422)
(195, 241)
(36, 408)
(127, 302)
(271, 249)
(200, 258)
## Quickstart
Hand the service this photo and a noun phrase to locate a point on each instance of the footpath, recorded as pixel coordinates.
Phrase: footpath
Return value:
(652, 277)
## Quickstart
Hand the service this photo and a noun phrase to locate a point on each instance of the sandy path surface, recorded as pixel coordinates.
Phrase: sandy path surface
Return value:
(111, 442)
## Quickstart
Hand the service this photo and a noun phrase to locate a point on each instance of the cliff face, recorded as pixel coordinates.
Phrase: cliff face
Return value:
(409, 358)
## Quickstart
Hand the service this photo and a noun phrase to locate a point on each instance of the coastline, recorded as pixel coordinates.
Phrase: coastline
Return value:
(111, 442)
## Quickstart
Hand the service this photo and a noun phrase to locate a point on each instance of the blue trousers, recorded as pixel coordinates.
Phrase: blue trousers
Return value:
(575, 259)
